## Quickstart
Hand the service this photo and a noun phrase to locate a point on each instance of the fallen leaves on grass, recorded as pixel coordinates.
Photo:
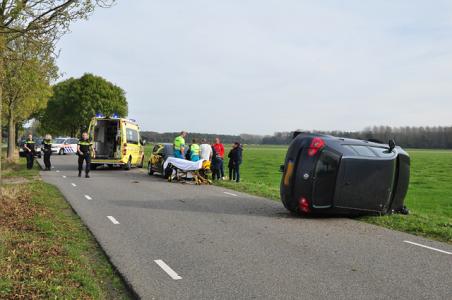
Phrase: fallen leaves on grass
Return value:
(30, 258)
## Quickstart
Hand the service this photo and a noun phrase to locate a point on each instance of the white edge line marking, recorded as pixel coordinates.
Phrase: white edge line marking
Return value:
(431, 248)
(231, 194)
(167, 269)
(88, 197)
(113, 220)
(73, 184)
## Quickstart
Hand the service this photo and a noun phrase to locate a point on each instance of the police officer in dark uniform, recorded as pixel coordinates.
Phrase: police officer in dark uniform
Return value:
(29, 149)
(47, 148)
(84, 148)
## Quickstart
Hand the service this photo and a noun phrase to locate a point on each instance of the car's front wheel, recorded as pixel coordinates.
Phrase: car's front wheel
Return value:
(61, 152)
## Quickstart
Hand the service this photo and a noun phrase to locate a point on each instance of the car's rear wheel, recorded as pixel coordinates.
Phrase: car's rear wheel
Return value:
(61, 152)
(128, 166)
(150, 171)
(94, 166)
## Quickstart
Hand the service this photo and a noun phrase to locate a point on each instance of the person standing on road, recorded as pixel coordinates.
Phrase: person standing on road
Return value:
(47, 149)
(206, 150)
(195, 151)
(235, 160)
(84, 148)
(29, 149)
(219, 149)
(179, 145)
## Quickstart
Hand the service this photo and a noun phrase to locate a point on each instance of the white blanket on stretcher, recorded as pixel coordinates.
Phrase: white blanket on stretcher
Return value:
(183, 164)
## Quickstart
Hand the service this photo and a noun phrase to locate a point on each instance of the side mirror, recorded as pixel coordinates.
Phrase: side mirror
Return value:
(143, 142)
(392, 145)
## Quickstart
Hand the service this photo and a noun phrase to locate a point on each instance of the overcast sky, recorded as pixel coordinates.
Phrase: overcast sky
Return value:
(260, 66)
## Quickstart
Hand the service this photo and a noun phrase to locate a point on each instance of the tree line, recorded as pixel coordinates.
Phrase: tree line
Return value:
(410, 137)
(168, 137)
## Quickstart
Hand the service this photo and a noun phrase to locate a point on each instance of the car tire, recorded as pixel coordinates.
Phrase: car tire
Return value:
(93, 166)
(128, 165)
(61, 151)
(150, 171)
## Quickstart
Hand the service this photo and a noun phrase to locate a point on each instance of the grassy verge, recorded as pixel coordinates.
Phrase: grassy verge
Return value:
(45, 250)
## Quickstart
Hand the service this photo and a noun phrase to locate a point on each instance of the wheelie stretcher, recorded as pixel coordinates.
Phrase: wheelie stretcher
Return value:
(182, 170)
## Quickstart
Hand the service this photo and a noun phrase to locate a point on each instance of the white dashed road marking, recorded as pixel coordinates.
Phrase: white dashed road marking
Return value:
(88, 197)
(167, 269)
(428, 247)
(73, 184)
(64, 176)
(58, 171)
(113, 220)
(230, 194)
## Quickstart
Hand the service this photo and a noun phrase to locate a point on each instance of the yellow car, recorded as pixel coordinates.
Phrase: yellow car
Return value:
(116, 141)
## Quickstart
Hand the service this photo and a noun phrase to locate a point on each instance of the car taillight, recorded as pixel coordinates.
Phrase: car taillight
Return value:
(316, 145)
(303, 205)
(124, 149)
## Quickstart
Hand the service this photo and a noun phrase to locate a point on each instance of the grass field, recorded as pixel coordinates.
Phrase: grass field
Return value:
(429, 197)
(45, 250)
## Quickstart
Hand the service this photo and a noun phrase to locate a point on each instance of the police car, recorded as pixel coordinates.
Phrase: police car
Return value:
(64, 145)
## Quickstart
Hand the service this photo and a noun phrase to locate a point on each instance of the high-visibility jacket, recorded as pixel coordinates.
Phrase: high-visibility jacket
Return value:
(195, 150)
(179, 142)
(30, 145)
(47, 146)
(85, 146)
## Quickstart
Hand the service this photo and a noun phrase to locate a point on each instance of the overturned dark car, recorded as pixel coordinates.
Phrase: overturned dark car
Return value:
(338, 176)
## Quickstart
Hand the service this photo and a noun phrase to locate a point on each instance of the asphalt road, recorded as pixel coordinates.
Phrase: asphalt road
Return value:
(180, 241)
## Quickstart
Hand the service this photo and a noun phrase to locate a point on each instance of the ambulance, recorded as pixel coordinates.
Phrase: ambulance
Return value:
(117, 142)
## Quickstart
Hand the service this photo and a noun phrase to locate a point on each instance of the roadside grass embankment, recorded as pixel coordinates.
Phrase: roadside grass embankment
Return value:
(45, 250)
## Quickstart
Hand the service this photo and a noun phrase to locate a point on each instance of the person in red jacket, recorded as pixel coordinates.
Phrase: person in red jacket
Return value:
(219, 150)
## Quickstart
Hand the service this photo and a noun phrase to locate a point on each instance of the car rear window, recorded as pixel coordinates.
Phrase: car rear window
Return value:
(325, 178)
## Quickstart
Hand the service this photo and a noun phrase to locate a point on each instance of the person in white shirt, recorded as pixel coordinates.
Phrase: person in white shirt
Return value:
(206, 150)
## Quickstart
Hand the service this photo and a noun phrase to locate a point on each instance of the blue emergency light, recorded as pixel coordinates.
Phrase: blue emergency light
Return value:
(99, 115)
(115, 116)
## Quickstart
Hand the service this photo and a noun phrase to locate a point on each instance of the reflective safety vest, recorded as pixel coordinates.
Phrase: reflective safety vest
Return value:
(30, 145)
(85, 146)
(195, 149)
(179, 142)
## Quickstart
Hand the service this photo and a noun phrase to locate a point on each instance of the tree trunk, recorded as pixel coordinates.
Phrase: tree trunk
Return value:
(11, 135)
